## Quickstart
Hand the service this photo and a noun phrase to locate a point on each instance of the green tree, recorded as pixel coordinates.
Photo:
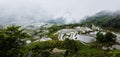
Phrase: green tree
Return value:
(11, 41)
(71, 46)
(107, 40)
(105, 19)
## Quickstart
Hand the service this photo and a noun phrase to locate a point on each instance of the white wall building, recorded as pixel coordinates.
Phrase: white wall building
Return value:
(67, 33)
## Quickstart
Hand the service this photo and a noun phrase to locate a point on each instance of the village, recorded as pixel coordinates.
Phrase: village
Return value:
(83, 34)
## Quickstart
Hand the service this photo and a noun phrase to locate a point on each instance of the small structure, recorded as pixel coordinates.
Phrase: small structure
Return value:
(45, 39)
(28, 41)
(67, 33)
(71, 33)
(56, 50)
(83, 29)
(95, 27)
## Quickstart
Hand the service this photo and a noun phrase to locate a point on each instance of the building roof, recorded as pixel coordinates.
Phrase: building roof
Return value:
(67, 30)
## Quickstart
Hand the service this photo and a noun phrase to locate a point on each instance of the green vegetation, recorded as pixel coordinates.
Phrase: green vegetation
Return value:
(54, 36)
(12, 44)
(104, 19)
(107, 40)
(11, 41)
(73, 49)
(55, 28)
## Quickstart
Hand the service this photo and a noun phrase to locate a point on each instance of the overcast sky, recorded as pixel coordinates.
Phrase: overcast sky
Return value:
(43, 10)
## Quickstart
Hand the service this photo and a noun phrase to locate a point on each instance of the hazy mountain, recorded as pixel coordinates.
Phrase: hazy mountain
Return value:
(57, 21)
(105, 19)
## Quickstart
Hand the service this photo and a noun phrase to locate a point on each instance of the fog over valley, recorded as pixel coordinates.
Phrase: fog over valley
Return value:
(25, 12)
(59, 28)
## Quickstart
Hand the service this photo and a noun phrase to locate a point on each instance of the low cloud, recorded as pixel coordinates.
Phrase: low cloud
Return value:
(25, 12)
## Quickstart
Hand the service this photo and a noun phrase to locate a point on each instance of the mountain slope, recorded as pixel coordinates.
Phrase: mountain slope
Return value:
(104, 19)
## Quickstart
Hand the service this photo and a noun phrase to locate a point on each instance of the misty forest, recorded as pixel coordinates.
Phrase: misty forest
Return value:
(27, 31)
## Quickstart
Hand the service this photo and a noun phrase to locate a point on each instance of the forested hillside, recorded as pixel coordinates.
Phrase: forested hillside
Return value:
(104, 19)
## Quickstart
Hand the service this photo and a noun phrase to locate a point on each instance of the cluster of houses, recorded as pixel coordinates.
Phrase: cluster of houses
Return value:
(74, 33)
(79, 33)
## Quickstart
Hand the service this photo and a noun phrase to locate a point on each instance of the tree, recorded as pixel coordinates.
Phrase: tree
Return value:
(107, 40)
(104, 19)
(71, 46)
(11, 41)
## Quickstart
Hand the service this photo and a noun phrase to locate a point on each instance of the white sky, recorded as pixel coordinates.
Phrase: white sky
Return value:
(69, 9)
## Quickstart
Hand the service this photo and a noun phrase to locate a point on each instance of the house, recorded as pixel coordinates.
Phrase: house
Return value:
(71, 33)
(67, 33)
(83, 29)
(28, 41)
(56, 50)
(95, 27)
(43, 39)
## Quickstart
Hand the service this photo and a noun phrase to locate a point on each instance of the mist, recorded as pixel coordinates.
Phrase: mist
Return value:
(21, 12)
(25, 12)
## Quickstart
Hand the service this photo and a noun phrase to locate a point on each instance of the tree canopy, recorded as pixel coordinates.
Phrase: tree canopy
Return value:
(104, 19)
(107, 40)
(11, 41)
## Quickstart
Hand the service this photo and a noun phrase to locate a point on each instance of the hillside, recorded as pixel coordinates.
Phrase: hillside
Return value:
(104, 19)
